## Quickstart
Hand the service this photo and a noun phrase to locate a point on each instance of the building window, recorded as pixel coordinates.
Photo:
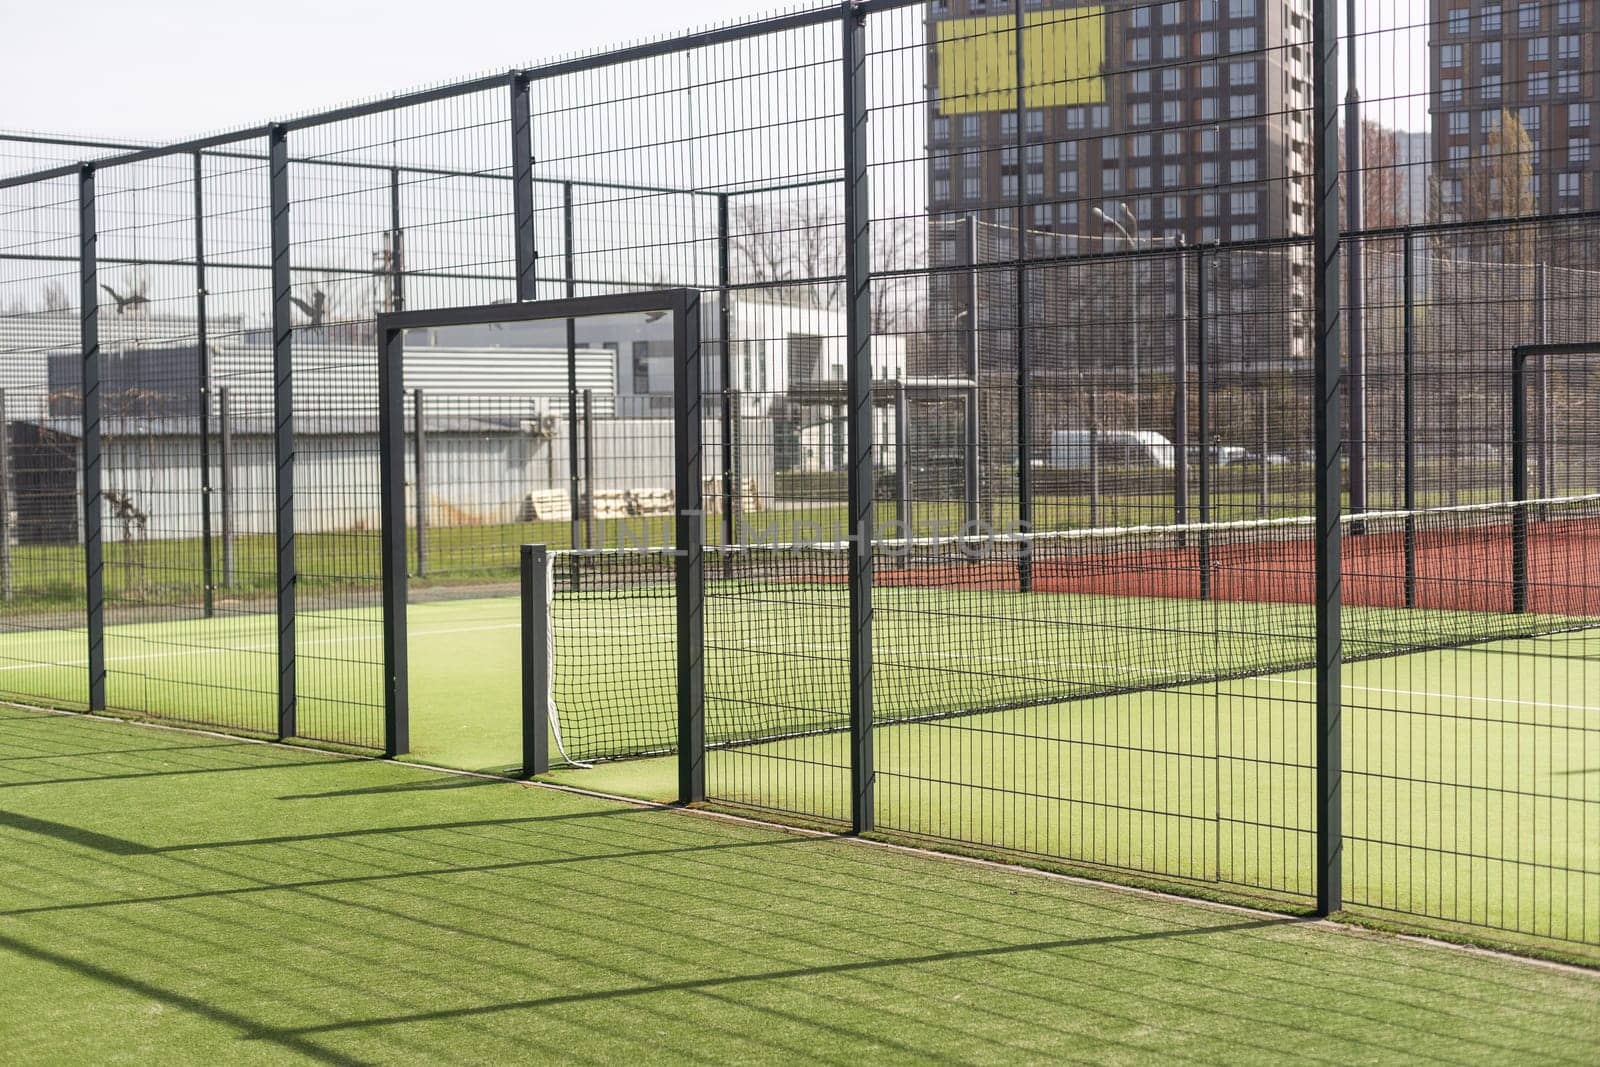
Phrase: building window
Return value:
(1538, 49)
(1568, 47)
(1171, 13)
(1140, 115)
(1242, 106)
(1208, 205)
(1035, 120)
(1242, 203)
(1008, 124)
(1539, 84)
(1578, 151)
(1171, 112)
(1242, 138)
(1209, 173)
(1139, 17)
(1488, 121)
(1139, 50)
(1528, 17)
(1077, 119)
(1578, 115)
(1245, 232)
(1067, 151)
(1242, 73)
(1450, 91)
(969, 188)
(1044, 214)
(1459, 154)
(1008, 185)
(1460, 123)
(1172, 144)
(941, 163)
(1208, 140)
(1008, 156)
(1208, 10)
(1242, 170)
(1100, 117)
(1489, 18)
(1172, 79)
(1139, 144)
(1141, 177)
(1569, 186)
(1034, 155)
(969, 127)
(1460, 22)
(1489, 88)
(1241, 9)
(1143, 210)
(1567, 13)
(1035, 184)
(1532, 118)
(1208, 109)
(1171, 47)
(1069, 214)
(941, 189)
(1172, 207)
(941, 128)
(1208, 76)
(1489, 53)
(1450, 191)
(1208, 43)
(1171, 176)
(1567, 82)
(1210, 235)
(1450, 55)
(1242, 39)
(1067, 181)
(1110, 179)
(1140, 81)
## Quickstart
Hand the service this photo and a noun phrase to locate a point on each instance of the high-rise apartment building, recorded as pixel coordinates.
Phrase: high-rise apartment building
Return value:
(1193, 113)
(1516, 106)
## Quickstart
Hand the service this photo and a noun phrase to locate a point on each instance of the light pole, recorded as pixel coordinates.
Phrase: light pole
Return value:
(1133, 244)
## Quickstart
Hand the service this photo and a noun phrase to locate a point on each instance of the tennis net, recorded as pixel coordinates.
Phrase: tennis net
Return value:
(966, 625)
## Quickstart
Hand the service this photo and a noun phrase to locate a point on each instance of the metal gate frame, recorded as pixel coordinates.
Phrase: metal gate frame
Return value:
(684, 307)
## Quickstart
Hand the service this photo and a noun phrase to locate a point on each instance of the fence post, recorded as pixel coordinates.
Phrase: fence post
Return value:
(1519, 479)
(1024, 362)
(283, 427)
(858, 330)
(419, 445)
(902, 459)
(1266, 476)
(537, 597)
(397, 245)
(574, 490)
(690, 557)
(1180, 398)
(526, 250)
(392, 540)
(1328, 422)
(5, 500)
(1409, 417)
(1203, 399)
(973, 442)
(208, 576)
(93, 544)
(1541, 335)
(730, 483)
(225, 480)
(588, 469)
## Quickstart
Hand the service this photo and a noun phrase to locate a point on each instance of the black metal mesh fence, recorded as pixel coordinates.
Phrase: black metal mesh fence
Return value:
(1060, 261)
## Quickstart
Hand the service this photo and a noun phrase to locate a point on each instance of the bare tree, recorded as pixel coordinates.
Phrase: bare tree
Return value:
(1498, 184)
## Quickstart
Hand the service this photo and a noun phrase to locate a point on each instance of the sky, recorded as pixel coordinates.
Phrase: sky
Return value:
(168, 69)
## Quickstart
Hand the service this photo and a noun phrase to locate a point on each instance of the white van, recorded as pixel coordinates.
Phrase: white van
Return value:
(1069, 449)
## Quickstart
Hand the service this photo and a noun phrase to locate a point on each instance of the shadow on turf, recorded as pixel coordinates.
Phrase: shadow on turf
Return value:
(455, 782)
(696, 985)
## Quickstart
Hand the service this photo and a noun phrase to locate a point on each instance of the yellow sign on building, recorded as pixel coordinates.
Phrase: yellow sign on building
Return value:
(1063, 55)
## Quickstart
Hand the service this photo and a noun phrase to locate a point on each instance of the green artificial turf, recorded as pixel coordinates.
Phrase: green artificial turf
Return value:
(175, 898)
(1470, 780)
